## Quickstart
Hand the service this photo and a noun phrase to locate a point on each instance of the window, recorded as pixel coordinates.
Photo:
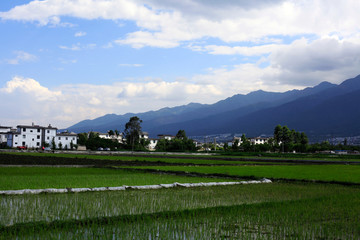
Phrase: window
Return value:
(24, 129)
(59, 138)
(38, 137)
(23, 143)
(48, 138)
(66, 138)
(48, 131)
(37, 144)
(73, 138)
(15, 143)
(31, 130)
(38, 130)
(15, 135)
(33, 139)
(24, 136)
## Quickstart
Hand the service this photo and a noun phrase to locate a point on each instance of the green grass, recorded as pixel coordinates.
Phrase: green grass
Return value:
(13, 178)
(341, 173)
(148, 159)
(212, 159)
(264, 211)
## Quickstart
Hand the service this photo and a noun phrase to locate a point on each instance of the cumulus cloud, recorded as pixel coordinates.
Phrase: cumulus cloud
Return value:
(324, 59)
(25, 99)
(299, 44)
(30, 86)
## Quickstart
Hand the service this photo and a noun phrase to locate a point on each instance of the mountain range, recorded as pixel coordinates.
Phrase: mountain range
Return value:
(326, 110)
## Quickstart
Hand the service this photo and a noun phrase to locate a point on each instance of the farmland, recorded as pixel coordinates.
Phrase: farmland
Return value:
(312, 209)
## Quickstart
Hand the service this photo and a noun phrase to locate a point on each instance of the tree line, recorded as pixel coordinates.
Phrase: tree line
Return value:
(132, 139)
(284, 140)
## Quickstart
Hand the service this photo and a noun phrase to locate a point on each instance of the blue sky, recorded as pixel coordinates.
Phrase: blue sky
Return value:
(63, 61)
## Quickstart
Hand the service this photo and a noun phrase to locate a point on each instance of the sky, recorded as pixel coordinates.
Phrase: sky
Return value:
(63, 61)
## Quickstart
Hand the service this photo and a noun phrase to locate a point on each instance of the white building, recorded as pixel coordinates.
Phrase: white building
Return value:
(144, 135)
(114, 137)
(65, 140)
(166, 136)
(259, 140)
(32, 136)
(152, 144)
(35, 136)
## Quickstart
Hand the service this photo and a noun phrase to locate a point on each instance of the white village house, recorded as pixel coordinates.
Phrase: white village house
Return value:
(66, 140)
(35, 136)
(254, 140)
(113, 137)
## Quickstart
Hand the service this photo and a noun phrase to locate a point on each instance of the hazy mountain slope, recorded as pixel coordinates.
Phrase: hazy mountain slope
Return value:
(237, 105)
(331, 111)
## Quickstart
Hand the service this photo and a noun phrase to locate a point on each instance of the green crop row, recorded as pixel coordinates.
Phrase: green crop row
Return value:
(13, 178)
(198, 159)
(72, 159)
(339, 173)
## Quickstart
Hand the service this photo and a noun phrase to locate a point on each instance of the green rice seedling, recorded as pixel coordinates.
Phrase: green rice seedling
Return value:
(295, 219)
(78, 206)
(340, 173)
(13, 178)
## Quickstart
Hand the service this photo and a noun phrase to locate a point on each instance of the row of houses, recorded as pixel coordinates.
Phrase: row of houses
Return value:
(254, 140)
(35, 136)
(144, 135)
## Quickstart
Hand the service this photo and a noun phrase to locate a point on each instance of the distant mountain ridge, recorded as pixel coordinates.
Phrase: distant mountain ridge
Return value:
(326, 109)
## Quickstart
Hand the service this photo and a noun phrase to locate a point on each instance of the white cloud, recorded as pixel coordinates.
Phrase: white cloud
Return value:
(24, 99)
(169, 24)
(130, 65)
(237, 50)
(72, 48)
(80, 34)
(21, 56)
(276, 31)
(78, 47)
(324, 59)
(30, 86)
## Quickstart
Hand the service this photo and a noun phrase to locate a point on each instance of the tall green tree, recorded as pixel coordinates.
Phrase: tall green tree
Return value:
(290, 139)
(235, 145)
(132, 132)
(181, 134)
(82, 138)
(179, 143)
(53, 144)
(245, 144)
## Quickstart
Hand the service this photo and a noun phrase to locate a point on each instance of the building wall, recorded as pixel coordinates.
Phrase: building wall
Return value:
(65, 140)
(152, 144)
(31, 136)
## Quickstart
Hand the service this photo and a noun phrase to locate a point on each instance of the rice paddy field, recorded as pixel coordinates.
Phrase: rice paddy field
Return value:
(324, 205)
